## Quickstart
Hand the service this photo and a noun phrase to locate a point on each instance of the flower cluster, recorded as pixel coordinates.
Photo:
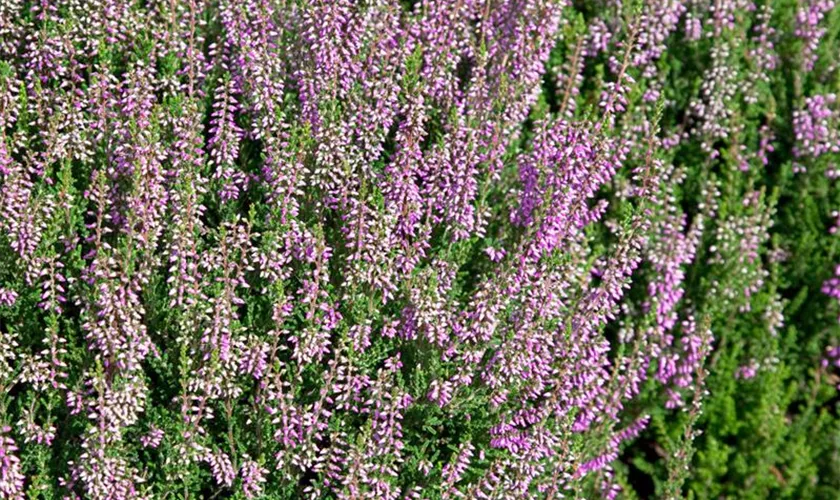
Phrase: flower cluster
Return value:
(392, 249)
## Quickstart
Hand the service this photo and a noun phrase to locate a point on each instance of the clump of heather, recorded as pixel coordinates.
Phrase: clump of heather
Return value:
(423, 250)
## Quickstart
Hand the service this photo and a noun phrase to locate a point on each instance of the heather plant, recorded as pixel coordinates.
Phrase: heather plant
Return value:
(426, 249)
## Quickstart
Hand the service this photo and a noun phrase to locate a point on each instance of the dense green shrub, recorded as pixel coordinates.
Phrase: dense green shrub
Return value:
(431, 249)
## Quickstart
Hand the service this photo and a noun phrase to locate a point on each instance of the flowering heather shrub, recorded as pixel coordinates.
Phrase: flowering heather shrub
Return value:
(428, 249)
